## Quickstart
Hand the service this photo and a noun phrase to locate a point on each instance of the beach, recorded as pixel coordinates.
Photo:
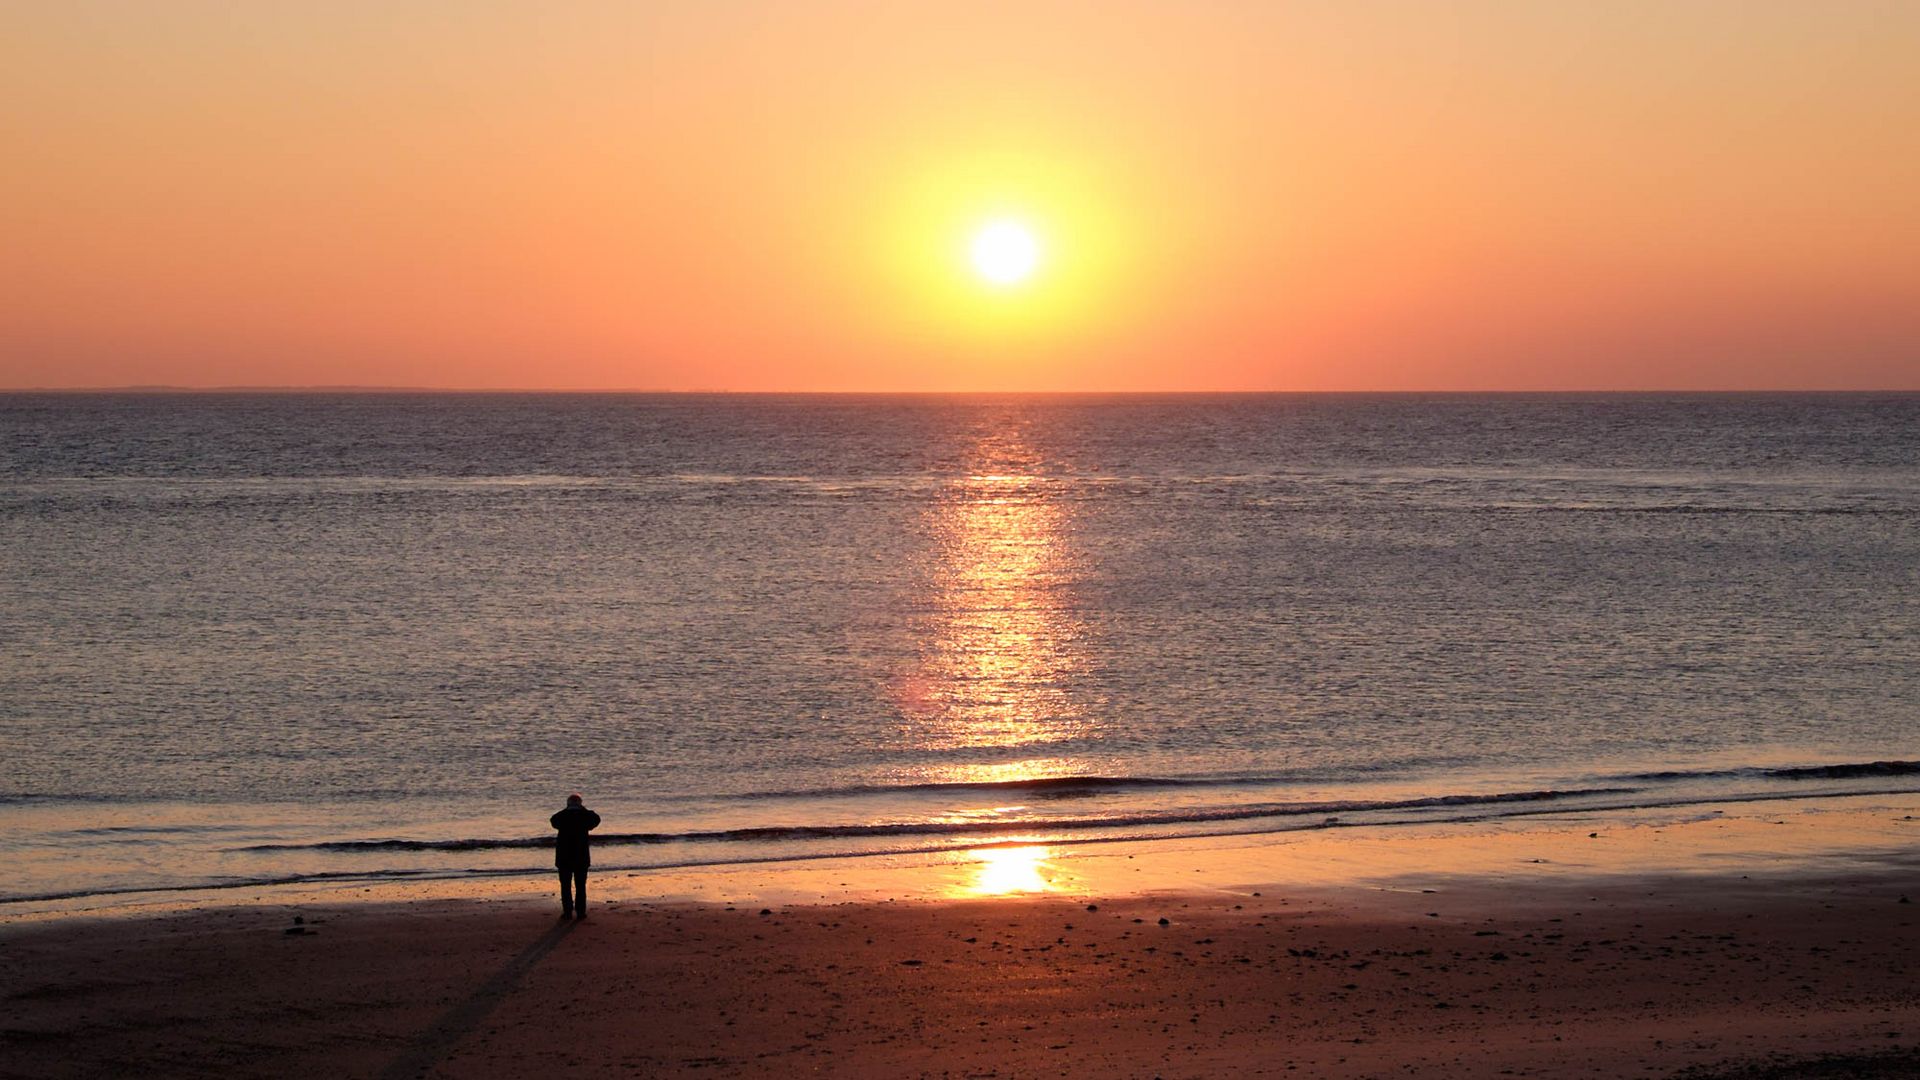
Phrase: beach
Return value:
(1480, 965)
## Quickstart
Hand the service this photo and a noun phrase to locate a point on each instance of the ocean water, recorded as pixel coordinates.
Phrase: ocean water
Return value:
(272, 637)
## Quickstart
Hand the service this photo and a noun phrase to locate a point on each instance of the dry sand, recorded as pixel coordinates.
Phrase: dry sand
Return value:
(1615, 976)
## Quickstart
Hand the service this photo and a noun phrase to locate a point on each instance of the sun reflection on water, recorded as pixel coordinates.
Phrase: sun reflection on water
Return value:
(1004, 643)
(991, 696)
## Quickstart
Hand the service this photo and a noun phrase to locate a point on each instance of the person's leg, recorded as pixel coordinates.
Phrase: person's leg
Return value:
(580, 891)
(566, 898)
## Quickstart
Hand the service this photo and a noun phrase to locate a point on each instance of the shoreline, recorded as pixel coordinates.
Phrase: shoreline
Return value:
(1831, 835)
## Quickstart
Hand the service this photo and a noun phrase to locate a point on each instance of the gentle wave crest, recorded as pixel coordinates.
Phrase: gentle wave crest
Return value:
(1074, 786)
(1846, 771)
(958, 828)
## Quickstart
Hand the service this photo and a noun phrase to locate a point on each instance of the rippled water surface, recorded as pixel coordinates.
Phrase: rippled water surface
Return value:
(250, 637)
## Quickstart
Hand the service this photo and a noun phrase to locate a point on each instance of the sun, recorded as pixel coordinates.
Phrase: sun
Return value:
(1005, 252)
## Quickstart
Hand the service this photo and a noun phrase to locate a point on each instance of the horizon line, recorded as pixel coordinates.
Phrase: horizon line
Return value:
(359, 388)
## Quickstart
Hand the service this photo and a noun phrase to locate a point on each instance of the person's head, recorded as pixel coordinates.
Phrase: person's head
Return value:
(574, 799)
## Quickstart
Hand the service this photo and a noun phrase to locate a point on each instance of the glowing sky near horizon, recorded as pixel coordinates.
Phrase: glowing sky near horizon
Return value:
(786, 196)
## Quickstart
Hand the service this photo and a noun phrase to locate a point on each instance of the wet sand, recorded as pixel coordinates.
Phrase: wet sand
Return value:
(1609, 976)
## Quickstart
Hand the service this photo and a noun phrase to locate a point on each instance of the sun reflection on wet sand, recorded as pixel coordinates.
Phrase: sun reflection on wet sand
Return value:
(1009, 871)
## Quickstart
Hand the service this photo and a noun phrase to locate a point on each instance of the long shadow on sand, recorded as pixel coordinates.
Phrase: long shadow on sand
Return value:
(462, 1019)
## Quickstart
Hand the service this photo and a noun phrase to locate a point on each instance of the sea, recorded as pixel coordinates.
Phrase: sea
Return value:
(293, 638)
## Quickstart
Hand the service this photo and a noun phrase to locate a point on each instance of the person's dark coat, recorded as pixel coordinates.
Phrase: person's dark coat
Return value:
(570, 850)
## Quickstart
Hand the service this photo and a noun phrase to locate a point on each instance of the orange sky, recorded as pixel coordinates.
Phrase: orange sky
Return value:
(777, 195)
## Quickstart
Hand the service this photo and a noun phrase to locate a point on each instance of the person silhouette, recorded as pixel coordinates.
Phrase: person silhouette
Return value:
(570, 855)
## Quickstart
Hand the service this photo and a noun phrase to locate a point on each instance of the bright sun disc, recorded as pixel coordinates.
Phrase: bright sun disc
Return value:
(1005, 252)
